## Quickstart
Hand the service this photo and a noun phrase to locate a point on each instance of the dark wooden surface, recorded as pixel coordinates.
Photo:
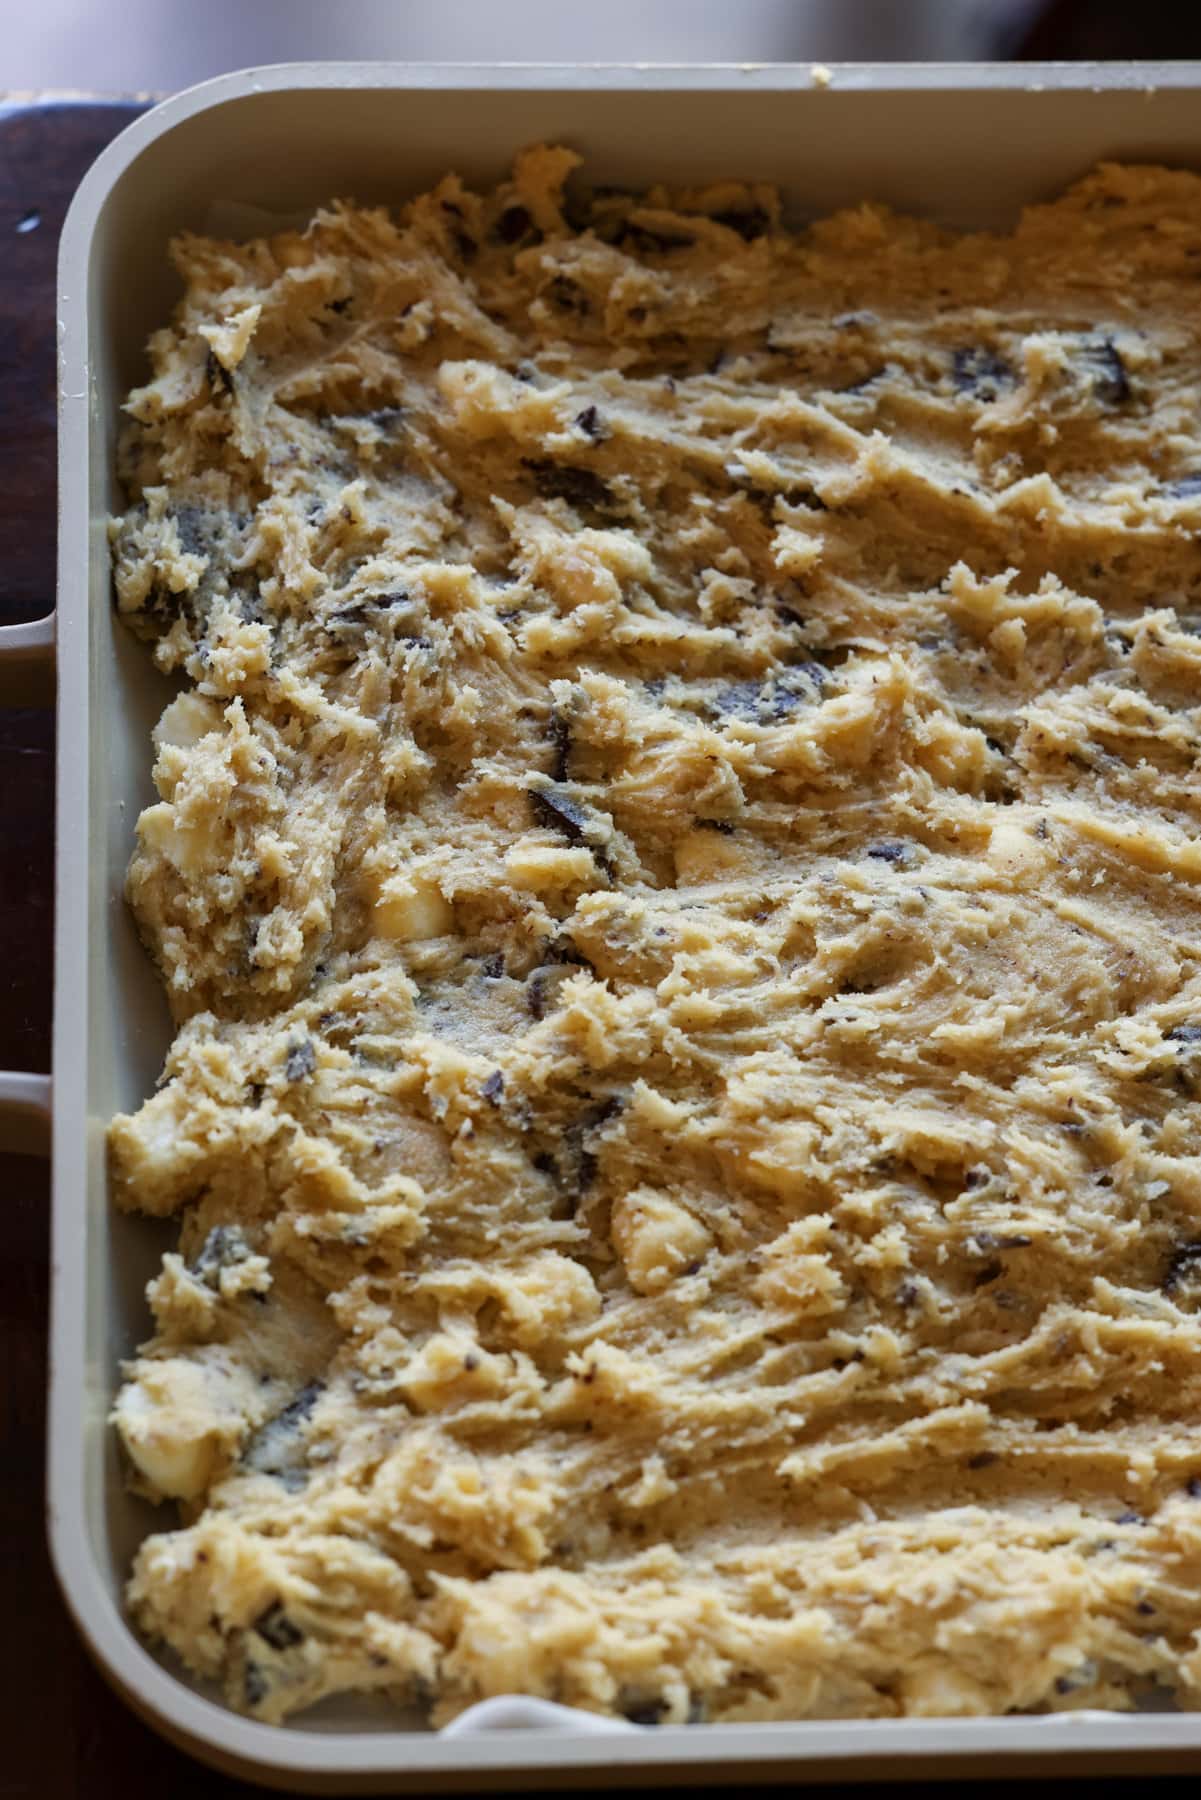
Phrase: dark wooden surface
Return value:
(64, 1733)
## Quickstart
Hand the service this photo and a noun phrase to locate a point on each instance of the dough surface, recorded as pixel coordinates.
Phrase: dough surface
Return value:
(676, 875)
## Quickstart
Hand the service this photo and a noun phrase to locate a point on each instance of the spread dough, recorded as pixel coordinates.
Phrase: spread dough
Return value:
(676, 875)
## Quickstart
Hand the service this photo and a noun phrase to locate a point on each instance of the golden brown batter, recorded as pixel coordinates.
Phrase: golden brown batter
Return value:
(677, 877)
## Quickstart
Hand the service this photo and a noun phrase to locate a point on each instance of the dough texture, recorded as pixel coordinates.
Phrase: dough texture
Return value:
(676, 876)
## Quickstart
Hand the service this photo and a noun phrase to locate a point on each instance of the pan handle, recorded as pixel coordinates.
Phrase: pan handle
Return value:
(25, 1114)
(27, 663)
(26, 679)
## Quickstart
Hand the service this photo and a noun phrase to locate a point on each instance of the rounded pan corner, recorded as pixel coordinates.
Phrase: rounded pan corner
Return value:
(292, 1758)
(511, 1737)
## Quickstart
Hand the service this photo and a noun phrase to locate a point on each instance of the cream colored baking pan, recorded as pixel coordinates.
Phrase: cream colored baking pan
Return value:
(969, 145)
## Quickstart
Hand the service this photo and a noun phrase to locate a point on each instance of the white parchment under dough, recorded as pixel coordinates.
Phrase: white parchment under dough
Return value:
(677, 877)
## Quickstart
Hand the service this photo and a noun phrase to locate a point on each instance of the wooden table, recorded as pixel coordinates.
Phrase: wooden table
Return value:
(64, 1733)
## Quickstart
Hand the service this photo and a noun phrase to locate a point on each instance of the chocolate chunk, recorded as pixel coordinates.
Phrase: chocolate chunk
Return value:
(1184, 487)
(1129, 1518)
(276, 1448)
(1180, 1264)
(1193, 1487)
(254, 1684)
(750, 222)
(558, 730)
(578, 1161)
(806, 496)
(392, 601)
(559, 812)
(581, 1167)
(803, 682)
(1111, 383)
(567, 296)
(348, 624)
(162, 605)
(386, 418)
(493, 967)
(765, 703)
(302, 1060)
(1185, 1034)
(347, 619)
(494, 1087)
(739, 701)
(275, 1627)
(563, 949)
(194, 529)
(573, 1161)
(590, 423)
(581, 488)
(224, 1248)
(298, 1410)
(980, 372)
(645, 1712)
(888, 852)
(514, 224)
(983, 1459)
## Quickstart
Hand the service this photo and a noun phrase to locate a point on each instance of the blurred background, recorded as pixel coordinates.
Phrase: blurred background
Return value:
(159, 45)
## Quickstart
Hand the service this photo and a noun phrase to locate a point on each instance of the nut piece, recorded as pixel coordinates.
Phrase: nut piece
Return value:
(545, 867)
(165, 1422)
(412, 907)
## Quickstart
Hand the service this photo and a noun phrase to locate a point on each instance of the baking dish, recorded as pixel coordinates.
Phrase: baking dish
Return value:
(239, 155)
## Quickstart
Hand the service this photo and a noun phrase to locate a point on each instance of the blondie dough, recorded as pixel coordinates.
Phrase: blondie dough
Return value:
(677, 879)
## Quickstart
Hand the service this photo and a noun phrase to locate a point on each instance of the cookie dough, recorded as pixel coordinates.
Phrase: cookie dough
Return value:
(677, 877)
